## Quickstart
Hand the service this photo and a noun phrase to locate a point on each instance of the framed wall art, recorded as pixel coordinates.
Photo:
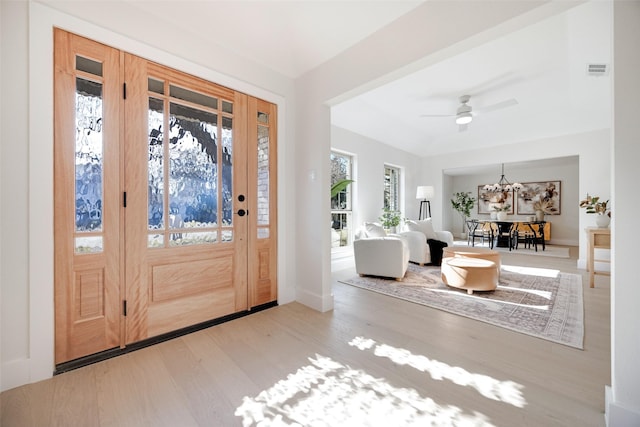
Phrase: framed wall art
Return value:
(543, 195)
(488, 199)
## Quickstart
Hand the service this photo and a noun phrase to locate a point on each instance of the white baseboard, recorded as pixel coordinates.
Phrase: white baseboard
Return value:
(315, 301)
(617, 416)
(564, 242)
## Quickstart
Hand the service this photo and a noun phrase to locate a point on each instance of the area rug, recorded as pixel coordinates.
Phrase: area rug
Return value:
(543, 303)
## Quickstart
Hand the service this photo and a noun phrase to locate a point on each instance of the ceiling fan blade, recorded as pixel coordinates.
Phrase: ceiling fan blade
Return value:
(504, 104)
(437, 115)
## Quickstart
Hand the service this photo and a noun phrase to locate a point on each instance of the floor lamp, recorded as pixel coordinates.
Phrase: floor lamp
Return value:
(424, 193)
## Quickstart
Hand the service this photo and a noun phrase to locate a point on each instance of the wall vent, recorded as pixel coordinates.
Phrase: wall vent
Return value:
(597, 69)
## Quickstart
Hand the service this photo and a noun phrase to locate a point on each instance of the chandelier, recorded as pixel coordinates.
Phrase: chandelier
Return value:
(503, 185)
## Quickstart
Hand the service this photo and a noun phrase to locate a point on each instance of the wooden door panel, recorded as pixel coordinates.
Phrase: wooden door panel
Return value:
(86, 215)
(170, 279)
(262, 173)
(178, 280)
(182, 312)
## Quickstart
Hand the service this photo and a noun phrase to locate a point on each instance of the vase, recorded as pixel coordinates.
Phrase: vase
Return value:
(539, 215)
(501, 216)
(602, 221)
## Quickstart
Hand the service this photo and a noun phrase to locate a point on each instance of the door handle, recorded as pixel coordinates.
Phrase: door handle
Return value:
(242, 212)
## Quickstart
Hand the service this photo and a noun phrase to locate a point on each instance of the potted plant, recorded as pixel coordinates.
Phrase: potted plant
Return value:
(541, 206)
(501, 209)
(463, 203)
(593, 205)
(390, 219)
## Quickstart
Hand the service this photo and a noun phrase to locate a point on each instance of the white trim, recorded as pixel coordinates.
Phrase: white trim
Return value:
(616, 415)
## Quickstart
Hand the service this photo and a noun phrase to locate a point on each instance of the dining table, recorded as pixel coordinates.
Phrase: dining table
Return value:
(502, 234)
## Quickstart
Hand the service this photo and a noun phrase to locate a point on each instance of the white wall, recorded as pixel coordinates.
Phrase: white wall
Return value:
(370, 159)
(564, 227)
(27, 159)
(431, 28)
(14, 194)
(592, 149)
(622, 399)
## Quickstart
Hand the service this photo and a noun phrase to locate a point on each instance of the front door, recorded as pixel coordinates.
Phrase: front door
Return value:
(154, 203)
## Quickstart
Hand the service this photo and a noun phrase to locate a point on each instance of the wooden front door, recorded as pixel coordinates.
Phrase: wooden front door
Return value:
(157, 210)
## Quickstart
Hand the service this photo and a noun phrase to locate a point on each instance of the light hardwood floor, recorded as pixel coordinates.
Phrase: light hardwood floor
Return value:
(412, 364)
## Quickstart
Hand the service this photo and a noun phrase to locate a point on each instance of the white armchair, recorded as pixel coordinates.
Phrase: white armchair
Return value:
(417, 235)
(378, 254)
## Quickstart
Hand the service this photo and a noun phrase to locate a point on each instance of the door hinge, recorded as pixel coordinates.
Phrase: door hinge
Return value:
(124, 199)
(124, 307)
(124, 90)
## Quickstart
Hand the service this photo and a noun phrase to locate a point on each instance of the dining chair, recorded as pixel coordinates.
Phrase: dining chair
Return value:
(476, 230)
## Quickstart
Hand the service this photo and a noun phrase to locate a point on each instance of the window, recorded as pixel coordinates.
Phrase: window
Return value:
(391, 188)
(341, 203)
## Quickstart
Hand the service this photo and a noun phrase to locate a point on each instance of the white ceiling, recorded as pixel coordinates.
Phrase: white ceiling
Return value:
(290, 37)
(542, 66)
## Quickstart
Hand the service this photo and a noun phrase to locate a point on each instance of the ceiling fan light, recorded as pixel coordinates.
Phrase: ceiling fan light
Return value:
(464, 118)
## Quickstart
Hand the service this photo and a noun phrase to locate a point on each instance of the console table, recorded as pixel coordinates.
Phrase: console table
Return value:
(598, 238)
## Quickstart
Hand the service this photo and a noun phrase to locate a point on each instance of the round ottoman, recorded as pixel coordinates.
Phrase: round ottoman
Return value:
(472, 274)
(473, 252)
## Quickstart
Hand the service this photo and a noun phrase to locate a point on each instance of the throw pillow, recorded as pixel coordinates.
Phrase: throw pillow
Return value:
(425, 226)
(374, 229)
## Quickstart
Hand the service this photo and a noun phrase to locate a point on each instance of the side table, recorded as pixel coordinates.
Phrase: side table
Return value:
(598, 238)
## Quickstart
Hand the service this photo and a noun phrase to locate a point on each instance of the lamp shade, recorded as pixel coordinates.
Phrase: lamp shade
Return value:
(425, 192)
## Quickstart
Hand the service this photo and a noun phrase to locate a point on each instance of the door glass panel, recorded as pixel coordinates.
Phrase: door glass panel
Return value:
(156, 165)
(156, 241)
(193, 168)
(227, 235)
(227, 171)
(88, 66)
(88, 156)
(156, 86)
(263, 175)
(195, 238)
(191, 96)
(88, 244)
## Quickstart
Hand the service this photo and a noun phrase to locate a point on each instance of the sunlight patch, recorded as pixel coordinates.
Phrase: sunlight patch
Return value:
(531, 271)
(503, 391)
(328, 393)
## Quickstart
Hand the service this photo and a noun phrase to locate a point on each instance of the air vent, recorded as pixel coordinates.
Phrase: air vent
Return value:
(597, 69)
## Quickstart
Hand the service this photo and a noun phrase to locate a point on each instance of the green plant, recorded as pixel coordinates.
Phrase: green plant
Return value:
(463, 203)
(593, 205)
(499, 207)
(389, 218)
(339, 186)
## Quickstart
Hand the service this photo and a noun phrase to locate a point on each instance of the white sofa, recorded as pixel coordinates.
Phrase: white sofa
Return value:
(417, 234)
(379, 254)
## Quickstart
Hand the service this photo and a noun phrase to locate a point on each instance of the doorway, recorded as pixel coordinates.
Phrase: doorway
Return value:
(164, 199)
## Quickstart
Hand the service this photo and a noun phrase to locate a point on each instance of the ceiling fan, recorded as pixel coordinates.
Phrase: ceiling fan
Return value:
(465, 113)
